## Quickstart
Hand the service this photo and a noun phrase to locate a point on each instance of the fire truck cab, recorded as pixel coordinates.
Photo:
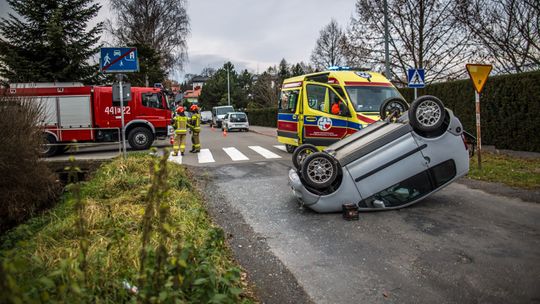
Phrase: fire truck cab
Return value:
(74, 112)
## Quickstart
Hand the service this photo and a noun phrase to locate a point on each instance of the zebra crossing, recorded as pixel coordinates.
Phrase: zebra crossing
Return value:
(206, 156)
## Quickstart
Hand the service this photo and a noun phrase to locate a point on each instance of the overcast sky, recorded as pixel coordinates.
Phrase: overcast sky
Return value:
(252, 34)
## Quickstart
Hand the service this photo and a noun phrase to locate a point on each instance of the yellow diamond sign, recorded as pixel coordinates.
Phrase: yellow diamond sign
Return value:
(479, 74)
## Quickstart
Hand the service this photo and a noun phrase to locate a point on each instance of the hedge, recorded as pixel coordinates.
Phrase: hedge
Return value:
(266, 117)
(510, 108)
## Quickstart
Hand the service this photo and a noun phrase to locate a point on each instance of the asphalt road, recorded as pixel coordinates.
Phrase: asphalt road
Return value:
(460, 245)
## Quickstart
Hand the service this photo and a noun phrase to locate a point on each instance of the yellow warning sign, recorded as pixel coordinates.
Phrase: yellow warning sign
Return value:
(479, 74)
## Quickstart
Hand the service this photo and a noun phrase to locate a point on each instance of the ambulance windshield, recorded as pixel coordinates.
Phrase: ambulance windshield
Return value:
(370, 98)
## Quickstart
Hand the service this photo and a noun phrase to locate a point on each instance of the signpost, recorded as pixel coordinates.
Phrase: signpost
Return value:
(416, 79)
(479, 74)
(118, 60)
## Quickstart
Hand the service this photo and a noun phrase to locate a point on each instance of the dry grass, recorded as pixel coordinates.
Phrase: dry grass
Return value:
(512, 171)
(26, 184)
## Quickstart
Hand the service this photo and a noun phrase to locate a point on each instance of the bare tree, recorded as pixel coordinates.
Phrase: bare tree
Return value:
(162, 25)
(266, 89)
(423, 34)
(328, 50)
(507, 30)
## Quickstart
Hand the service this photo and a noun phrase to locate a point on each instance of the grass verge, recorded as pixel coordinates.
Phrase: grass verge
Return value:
(509, 170)
(136, 232)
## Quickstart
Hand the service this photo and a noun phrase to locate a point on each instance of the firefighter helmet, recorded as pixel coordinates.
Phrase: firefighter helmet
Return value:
(194, 108)
(180, 110)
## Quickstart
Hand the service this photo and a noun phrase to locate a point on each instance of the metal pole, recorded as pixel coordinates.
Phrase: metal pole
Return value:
(478, 134)
(120, 78)
(415, 93)
(386, 39)
(228, 88)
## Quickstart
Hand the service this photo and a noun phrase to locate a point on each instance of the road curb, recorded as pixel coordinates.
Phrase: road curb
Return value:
(531, 196)
(262, 133)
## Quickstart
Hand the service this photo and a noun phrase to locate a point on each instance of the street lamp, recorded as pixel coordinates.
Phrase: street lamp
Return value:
(228, 86)
(386, 38)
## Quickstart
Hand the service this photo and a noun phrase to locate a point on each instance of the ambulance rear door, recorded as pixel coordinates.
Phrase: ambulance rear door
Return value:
(289, 124)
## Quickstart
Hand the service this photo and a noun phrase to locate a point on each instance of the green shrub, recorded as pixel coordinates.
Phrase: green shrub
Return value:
(510, 108)
(266, 117)
(26, 184)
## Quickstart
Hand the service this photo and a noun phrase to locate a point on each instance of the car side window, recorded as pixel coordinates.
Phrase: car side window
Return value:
(317, 97)
(152, 100)
(288, 101)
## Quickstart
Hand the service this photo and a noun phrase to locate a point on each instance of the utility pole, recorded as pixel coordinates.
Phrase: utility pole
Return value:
(386, 39)
(228, 86)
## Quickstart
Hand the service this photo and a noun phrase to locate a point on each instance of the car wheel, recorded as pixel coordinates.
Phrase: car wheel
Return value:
(290, 148)
(300, 154)
(393, 107)
(140, 138)
(319, 170)
(48, 147)
(427, 114)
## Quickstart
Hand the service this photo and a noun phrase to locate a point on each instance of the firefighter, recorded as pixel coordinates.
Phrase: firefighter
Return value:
(180, 124)
(195, 127)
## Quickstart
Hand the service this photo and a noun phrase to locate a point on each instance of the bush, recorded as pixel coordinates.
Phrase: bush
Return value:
(266, 117)
(26, 183)
(509, 108)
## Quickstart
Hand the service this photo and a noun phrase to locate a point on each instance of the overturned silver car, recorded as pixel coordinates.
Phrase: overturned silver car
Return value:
(390, 164)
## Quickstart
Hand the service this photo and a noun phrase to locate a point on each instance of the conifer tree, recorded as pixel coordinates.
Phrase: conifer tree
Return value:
(48, 40)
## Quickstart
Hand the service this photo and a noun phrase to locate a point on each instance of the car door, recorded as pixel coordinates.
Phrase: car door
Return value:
(289, 124)
(322, 127)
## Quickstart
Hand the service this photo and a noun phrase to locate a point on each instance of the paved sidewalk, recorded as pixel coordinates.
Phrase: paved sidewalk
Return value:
(268, 131)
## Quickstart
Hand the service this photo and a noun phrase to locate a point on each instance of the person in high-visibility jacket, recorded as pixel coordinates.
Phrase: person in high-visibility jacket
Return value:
(180, 124)
(195, 127)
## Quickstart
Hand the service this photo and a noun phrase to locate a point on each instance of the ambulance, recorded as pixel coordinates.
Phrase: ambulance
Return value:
(325, 107)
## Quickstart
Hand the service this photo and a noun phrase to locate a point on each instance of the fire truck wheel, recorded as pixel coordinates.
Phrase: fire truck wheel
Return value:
(51, 149)
(140, 138)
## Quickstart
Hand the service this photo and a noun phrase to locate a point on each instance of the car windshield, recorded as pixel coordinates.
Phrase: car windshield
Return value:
(238, 117)
(370, 98)
(224, 110)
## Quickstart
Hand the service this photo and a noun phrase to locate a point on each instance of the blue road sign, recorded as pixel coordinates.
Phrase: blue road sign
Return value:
(120, 59)
(416, 78)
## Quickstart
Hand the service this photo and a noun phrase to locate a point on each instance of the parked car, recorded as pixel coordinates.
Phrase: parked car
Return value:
(218, 113)
(235, 121)
(206, 117)
(390, 164)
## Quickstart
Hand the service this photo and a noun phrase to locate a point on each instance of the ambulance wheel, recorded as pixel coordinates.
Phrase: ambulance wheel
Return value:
(140, 138)
(427, 114)
(300, 154)
(319, 170)
(393, 106)
(49, 149)
(290, 148)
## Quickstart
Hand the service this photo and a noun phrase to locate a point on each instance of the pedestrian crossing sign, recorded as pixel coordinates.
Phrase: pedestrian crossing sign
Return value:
(479, 74)
(416, 78)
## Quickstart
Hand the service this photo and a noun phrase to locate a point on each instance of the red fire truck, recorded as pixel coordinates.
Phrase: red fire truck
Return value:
(73, 111)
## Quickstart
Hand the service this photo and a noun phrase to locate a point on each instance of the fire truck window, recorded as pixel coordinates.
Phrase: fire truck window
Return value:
(152, 101)
(288, 101)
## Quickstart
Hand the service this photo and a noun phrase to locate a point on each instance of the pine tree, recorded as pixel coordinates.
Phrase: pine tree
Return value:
(49, 41)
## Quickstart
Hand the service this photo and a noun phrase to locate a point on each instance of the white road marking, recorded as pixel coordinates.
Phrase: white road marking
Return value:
(281, 147)
(234, 154)
(205, 156)
(264, 152)
(176, 159)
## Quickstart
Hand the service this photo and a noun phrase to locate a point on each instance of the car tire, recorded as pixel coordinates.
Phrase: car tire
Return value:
(301, 153)
(48, 151)
(390, 105)
(427, 114)
(319, 170)
(140, 138)
(290, 148)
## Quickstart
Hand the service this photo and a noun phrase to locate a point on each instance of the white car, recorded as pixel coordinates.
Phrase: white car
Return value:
(235, 121)
(390, 164)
